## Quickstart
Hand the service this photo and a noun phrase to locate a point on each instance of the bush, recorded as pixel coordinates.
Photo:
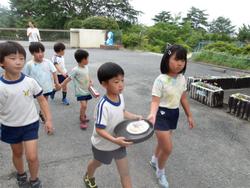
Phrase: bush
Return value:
(76, 23)
(99, 22)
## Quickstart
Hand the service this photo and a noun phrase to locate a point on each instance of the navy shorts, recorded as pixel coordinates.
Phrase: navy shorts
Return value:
(166, 119)
(15, 135)
(61, 78)
(84, 98)
(47, 94)
(106, 157)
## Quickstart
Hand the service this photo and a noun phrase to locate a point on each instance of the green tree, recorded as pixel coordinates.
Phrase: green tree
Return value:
(221, 25)
(197, 18)
(56, 14)
(244, 33)
(163, 17)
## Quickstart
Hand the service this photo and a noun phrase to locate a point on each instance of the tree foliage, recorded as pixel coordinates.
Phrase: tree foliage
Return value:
(163, 17)
(244, 33)
(56, 13)
(197, 18)
(222, 25)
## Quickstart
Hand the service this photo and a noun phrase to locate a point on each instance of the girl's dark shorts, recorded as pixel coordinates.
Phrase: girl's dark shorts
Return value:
(166, 119)
(84, 98)
(106, 157)
(15, 135)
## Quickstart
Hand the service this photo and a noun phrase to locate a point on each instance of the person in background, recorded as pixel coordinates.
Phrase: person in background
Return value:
(62, 74)
(33, 33)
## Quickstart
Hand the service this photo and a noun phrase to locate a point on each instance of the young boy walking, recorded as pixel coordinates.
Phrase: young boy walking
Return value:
(62, 74)
(82, 81)
(42, 70)
(18, 115)
(108, 113)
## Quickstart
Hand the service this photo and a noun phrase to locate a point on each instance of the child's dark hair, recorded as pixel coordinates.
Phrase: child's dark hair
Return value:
(11, 47)
(36, 47)
(59, 47)
(108, 71)
(80, 55)
(180, 54)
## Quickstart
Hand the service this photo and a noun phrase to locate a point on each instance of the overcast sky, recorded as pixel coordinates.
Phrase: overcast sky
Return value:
(236, 10)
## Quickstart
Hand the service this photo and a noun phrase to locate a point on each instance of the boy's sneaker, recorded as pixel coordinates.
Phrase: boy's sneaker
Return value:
(89, 182)
(36, 184)
(22, 180)
(65, 101)
(152, 164)
(162, 180)
(83, 125)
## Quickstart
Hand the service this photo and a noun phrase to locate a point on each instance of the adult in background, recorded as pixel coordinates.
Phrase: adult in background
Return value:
(33, 33)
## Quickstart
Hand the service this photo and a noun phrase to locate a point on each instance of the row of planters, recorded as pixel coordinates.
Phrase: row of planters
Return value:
(210, 91)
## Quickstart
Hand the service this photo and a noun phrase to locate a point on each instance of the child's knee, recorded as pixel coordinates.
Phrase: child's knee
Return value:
(32, 158)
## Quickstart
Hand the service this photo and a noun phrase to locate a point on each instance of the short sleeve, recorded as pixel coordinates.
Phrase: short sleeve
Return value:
(3, 98)
(102, 116)
(184, 83)
(26, 69)
(72, 74)
(36, 89)
(52, 67)
(157, 88)
(54, 60)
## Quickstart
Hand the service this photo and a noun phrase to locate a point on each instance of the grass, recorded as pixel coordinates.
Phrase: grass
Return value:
(223, 59)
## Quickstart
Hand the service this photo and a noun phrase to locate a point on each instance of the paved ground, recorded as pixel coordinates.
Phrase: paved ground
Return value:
(216, 154)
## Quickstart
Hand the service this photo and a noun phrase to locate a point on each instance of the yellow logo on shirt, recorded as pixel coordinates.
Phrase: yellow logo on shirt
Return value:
(26, 93)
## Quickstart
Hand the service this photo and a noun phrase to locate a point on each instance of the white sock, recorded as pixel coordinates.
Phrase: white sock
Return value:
(154, 159)
(159, 172)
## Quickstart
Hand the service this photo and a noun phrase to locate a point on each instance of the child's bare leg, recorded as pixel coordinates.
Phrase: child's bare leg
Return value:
(165, 143)
(32, 158)
(83, 108)
(17, 157)
(92, 166)
(122, 167)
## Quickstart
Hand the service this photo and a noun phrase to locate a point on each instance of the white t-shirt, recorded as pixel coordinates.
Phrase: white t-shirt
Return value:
(17, 106)
(56, 59)
(169, 89)
(107, 115)
(42, 73)
(34, 34)
(80, 77)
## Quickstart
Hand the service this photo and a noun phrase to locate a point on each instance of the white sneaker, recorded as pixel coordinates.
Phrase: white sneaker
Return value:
(152, 164)
(162, 180)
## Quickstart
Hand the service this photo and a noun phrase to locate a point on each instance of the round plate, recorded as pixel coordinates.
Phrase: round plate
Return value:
(121, 131)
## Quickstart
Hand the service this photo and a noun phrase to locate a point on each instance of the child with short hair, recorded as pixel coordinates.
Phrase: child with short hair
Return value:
(82, 81)
(108, 113)
(59, 63)
(20, 127)
(169, 91)
(42, 70)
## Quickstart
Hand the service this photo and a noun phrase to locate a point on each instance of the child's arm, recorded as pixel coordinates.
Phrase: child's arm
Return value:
(65, 82)
(129, 115)
(58, 68)
(153, 109)
(186, 107)
(119, 140)
(56, 82)
(43, 103)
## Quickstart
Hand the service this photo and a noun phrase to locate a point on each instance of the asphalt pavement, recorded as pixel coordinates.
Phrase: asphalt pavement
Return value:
(215, 154)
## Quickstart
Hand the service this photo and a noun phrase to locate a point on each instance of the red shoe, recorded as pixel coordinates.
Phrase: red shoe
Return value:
(83, 125)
